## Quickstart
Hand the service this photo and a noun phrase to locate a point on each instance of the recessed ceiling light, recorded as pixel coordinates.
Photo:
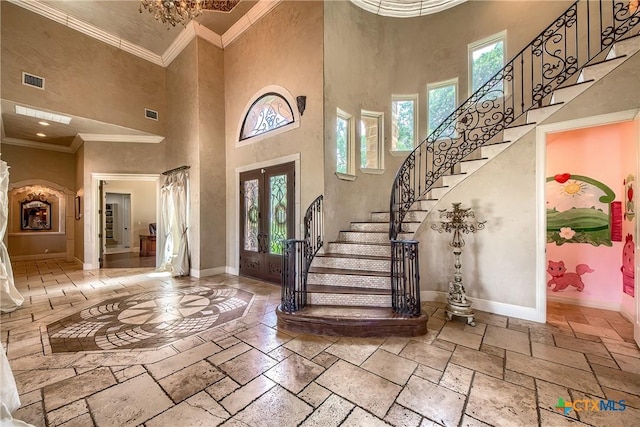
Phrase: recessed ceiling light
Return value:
(38, 114)
(43, 123)
(41, 135)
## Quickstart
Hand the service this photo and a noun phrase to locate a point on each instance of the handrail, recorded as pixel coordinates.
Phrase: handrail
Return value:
(555, 55)
(298, 256)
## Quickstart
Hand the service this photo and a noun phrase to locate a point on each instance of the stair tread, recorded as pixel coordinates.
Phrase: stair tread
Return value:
(473, 160)
(346, 311)
(336, 255)
(352, 290)
(327, 270)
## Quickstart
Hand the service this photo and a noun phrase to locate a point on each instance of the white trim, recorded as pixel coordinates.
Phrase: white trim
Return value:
(208, 272)
(439, 85)
(345, 176)
(234, 268)
(193, 29)
(37, 145)
(416, 108)
(262, 8)
(268, 89)
(178, 45)
(405, 8)
(38, 256)
(140, 139)
(503, 309)
(479, 44)
(400, 153)
(541, 179)
(372, 171)
(92, 217)
(351, 145)
(379, 117)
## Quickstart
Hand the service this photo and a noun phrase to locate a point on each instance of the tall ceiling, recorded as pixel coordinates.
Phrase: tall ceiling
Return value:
(124, 20)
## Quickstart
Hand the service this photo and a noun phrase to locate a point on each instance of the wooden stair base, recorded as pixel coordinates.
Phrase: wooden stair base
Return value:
(347, 321)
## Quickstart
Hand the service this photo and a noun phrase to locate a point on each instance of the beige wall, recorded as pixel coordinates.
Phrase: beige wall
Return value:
(211, 117)
(284, 48)
(84, 76)
(368, 58)
(499, 263)
(32, 164)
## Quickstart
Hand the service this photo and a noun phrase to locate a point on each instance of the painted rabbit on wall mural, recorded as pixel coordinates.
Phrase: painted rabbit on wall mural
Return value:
(562, 279)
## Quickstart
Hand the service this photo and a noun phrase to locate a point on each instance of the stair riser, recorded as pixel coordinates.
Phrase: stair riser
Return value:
(515, 133)
(370, 226)
(412, 216)
(490, 151)
(363, 237)
(352, 264)
(349, 280)
(626, 47)
(538, 115)
(355, 249)
(425, 205)
(472, 166)
(439, 192)
(597, 71)
(566, 94)
(452, 180)
(349, 299)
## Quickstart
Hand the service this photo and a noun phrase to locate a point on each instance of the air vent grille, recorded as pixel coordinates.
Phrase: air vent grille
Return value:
(32, 80)
(151, 114)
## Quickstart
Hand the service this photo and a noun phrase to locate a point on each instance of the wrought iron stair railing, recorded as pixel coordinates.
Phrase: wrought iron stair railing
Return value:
(583, 32)
(575, 39)
(298, 255)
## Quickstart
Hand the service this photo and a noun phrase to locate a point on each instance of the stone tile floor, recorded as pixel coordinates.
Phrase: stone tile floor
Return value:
(246, 372)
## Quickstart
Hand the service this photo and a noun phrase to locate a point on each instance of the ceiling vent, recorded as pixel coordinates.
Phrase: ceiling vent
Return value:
(151, 114)
(33, 81)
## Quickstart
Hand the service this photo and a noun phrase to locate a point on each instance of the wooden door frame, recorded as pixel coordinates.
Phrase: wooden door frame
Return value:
(234, 241)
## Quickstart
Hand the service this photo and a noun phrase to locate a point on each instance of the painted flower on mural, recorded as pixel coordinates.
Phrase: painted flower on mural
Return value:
(567, 233)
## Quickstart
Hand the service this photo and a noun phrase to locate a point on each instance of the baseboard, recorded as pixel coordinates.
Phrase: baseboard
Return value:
(208, 272)
(494, 307)
(613, 306)
(38, 256)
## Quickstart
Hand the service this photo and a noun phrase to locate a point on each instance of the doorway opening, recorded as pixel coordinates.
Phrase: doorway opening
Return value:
(267, 216)
(581, 167)
(137, 194)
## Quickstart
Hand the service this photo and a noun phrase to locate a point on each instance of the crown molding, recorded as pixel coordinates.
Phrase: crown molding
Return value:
(37, 145)
(254, 14)
(43, 9)
(181, 41)
(140, 139)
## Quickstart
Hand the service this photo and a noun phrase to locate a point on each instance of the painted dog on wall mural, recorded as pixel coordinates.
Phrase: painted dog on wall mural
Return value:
(562, 279)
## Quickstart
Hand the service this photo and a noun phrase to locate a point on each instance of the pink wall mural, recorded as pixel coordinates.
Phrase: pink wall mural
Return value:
(606, 155)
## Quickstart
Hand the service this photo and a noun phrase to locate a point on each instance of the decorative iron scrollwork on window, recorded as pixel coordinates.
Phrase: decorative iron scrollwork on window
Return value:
(269, 112)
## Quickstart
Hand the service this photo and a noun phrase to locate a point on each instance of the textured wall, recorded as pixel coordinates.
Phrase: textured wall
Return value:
(84, 77)
(368, 58)
(284, 48)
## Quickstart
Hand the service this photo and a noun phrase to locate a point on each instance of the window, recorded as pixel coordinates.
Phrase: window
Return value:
(486, 58)
(442, 100)
(344, 145)
(371, 141)
(404, 126)
(267, 113)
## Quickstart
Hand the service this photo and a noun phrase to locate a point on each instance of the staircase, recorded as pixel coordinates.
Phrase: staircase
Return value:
(348, 286)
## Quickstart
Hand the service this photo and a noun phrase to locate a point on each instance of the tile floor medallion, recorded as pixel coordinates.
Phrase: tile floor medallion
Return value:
(148, 319)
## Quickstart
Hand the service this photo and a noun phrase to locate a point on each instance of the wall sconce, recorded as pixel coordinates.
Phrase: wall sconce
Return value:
(302, 103)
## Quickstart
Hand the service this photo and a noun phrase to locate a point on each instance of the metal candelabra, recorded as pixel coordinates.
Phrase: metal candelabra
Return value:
(456, 221)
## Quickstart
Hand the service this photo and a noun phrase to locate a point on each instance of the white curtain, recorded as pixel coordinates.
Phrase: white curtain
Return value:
(174, 244)
(10, 298)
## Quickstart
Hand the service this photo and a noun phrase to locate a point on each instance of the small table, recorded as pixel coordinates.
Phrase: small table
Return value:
(147, 245)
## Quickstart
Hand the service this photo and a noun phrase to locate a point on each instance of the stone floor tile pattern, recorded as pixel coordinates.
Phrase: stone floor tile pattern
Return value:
(120, 347)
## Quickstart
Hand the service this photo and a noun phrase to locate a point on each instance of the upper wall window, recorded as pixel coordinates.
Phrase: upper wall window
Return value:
(371, 140)
(441, 102)
(269, 112)
(404, 126)
(486, 58)
(345, 149)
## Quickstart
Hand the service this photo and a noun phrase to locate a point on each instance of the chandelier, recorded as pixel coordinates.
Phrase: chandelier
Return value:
(172, 12)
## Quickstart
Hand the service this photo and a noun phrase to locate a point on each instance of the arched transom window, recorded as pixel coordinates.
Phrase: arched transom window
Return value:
(269, 112)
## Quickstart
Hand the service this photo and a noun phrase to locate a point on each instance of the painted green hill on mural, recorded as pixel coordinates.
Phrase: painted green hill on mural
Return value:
(590, 225)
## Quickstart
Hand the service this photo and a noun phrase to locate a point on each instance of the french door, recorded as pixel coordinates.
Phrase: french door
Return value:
(267, 207)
